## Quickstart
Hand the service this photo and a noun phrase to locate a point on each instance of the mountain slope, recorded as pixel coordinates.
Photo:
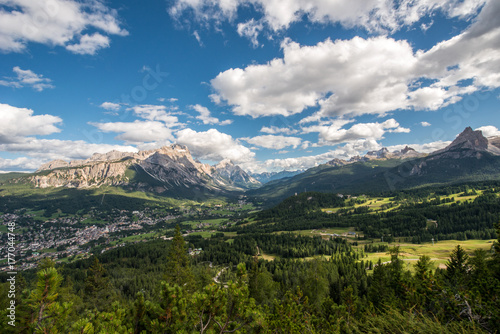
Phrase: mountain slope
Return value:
(235, 175)
(470, 157)
(266, 177)
(170, 171)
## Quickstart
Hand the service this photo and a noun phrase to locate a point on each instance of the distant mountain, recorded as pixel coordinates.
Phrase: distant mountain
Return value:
(382, 154)
(470, 157)
(266, 177)
(468, 144)
(235, 175)
(170, 170)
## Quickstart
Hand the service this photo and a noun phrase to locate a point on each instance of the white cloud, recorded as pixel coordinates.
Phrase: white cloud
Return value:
(156, 113)
(89, 44)
(110, 106)
(206, 118)
(57, 22)
(425, 124)
(205, 115)
(369, 76)
(352, 77)
(333, 133)
(19, 164)
(198, 38)
(50, 149)
(275, 142)
(422, 148)
(20, 122)
(274, 130)
(27, 78)
(40, 151)
(214, 145)
(250, 30)
(226, 122)
(489, 131)
(304, 162)
(137, 132)
(155, 125)
(374, 16)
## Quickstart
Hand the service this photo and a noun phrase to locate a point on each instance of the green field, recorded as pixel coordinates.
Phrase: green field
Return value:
(324, 231)
(376, 203)
(212, 223)
(439, 252)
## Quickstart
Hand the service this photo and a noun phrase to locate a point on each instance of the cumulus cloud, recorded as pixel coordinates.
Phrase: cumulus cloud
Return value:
(351, 77)
(154, 126)
(39, 151)
(89, 44)
(50, 149)
(274, 130)
(18, 135)
(378, 75)
(425, 124)
(137, 132)
(27, 78)
(422, 148)
(20, 122)
(214, 145)
(333, 133)
(156, 113)
(275, 142)
(378, 16)
(206, 118)
(19, 164)
(57, 22)
(304, 162)
(110, 106)
(489, 131)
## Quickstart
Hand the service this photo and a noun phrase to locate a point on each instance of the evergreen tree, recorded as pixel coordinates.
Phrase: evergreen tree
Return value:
(178, 268)
(47, 314)
(457, 267)
(97, 292)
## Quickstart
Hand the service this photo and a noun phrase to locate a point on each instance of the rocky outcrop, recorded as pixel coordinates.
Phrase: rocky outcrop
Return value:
(382, 154)
(337, 162)
(100, 173)
(468, 144)
(168, 168)
(235, 175)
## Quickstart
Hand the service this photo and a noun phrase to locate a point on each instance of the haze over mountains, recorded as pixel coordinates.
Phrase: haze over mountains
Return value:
(172, 171)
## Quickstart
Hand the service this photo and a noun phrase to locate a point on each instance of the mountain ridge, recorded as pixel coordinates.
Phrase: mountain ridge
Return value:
(468, 158)
(166, 170)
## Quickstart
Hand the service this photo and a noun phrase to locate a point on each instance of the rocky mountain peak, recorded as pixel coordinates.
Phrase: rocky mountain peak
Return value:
(470, 139)
(407, 149)
(224, 164)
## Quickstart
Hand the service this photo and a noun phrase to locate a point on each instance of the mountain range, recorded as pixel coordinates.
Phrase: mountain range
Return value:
(470, 157)
(172, 171)
(169, 170)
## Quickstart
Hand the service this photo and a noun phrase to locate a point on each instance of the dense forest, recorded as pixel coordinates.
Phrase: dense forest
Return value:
(408, 221)
(307, 283)
(156, 287)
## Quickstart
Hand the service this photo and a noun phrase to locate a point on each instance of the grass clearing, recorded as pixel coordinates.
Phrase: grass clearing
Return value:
(439, 252)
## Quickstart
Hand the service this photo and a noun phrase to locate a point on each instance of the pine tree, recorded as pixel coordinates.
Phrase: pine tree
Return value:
(456, 267)
(178, 268)
(47, 314)
(97, 292)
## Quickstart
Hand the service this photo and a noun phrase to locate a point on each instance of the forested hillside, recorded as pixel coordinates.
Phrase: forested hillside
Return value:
(157, 288)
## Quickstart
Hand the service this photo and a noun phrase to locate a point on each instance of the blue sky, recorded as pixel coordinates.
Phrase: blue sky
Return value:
(270, 85)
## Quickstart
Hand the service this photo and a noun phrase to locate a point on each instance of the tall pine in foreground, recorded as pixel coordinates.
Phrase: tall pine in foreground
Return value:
(178, 267)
